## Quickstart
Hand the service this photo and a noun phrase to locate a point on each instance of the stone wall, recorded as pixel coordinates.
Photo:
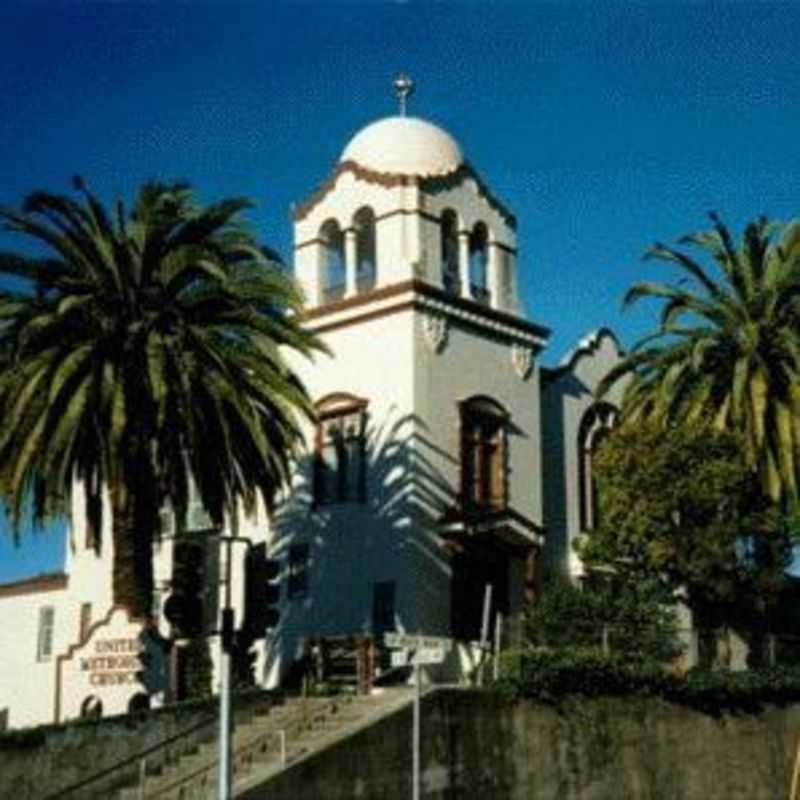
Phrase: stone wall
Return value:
(42, 762)
(479, 746)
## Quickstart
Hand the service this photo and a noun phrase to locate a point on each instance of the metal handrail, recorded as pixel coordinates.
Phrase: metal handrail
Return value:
(134, 759)
(130, 760)
(243, 757)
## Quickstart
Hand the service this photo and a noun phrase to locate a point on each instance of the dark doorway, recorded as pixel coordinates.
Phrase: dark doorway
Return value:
(178, 677)
(478, 565)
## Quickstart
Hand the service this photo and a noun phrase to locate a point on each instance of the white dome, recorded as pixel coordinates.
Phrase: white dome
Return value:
(404, 146)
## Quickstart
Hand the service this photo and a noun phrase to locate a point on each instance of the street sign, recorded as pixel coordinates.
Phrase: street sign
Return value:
(416, 651)
(407, 641)
(422, 657)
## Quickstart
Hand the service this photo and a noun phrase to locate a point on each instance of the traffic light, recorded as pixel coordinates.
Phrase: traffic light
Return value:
(261, 592)
(188, 607)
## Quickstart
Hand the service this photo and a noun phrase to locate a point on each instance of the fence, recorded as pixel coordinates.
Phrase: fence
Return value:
(710, 648)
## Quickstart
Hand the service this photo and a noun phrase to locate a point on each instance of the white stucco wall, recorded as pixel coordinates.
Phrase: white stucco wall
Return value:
(353, 544)
(474, 363)
(27, 682)
(567, 397)
(413, 471)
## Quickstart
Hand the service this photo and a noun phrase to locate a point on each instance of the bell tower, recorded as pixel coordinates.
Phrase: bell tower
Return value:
(403, 205)
(421, 483)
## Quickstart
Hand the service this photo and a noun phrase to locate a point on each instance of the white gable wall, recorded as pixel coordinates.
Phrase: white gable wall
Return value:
(566, 398)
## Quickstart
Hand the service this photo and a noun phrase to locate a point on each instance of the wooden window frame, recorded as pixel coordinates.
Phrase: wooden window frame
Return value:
(484, 454)
(334, 412)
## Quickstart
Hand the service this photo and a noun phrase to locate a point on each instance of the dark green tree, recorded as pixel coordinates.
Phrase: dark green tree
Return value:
(679, 506)
(727, 348)
(140, 349)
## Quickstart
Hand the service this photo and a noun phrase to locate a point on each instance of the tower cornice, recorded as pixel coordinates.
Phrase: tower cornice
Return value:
(418, 295)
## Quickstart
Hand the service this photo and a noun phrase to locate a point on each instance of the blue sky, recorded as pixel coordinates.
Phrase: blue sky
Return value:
(604, 126)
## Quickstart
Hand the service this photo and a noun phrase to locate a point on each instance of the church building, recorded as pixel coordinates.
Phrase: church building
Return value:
(445, 458)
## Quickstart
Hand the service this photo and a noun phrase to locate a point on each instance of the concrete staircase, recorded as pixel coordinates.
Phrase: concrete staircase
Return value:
(266, 744)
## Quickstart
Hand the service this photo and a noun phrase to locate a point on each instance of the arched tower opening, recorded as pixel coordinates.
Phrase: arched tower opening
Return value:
(332, 268)
(479, 263)
(364, 226)
(449, 251)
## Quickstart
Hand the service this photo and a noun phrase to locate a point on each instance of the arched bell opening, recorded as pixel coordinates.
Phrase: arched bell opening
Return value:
(479, 263)
(332, 267)
(366, 268)
(449, 241)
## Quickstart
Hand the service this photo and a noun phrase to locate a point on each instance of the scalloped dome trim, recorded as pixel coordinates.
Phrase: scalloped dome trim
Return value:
(404, 146)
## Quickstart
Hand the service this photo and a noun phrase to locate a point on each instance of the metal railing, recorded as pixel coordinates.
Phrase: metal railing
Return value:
(129, 771)
(200, 781)
(709, 648)
(129, 767)
(480, 294)
(332, 293)
(272, 743)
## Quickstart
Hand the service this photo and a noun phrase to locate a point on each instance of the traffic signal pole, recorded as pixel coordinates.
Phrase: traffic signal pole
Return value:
(225, 645)
(259, 613)
(226, 636)
(224, 720)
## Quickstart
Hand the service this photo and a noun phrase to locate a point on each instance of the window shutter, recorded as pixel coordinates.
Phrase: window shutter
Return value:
(498, 471)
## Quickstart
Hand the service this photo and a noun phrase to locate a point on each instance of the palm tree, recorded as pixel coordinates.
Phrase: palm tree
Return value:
(727, 348)
(141, 351)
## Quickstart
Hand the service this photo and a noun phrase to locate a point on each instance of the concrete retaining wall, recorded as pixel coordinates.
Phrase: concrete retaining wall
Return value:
(41, 762)
(478, 746)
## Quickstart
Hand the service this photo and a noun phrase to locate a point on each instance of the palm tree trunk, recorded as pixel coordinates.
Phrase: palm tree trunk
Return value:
(134, 525)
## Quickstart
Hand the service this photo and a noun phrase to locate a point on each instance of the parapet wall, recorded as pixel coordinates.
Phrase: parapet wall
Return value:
(38, 763)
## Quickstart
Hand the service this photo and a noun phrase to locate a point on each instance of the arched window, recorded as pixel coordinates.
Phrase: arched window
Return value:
(478, 262)
(92, 707)
(340, 450)
(364, 224)
(333, 266)
(484, 454)
(596, 424)
(450, 276)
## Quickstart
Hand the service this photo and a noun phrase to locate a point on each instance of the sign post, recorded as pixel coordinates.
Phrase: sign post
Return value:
(415, 651)
(487, 609)
(415, 733)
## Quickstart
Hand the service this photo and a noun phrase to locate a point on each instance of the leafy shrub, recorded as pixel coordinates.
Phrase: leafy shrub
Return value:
(629, 620)
(553, 675)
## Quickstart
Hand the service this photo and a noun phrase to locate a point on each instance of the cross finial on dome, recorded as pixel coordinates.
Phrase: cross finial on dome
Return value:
(403, 88)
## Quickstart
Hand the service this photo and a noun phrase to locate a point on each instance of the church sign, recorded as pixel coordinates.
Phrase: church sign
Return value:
(120, 665)
(113, 661)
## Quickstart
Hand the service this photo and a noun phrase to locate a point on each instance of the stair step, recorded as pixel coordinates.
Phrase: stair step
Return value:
(309, 723)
